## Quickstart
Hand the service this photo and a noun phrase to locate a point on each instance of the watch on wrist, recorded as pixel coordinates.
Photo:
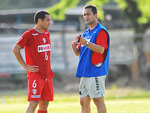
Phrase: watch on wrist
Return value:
(87, 42)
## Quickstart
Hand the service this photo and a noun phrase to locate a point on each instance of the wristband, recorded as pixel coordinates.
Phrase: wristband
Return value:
(87, 42)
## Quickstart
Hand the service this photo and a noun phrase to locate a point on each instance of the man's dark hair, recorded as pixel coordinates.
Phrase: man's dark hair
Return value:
(40, 14)
(93, 7)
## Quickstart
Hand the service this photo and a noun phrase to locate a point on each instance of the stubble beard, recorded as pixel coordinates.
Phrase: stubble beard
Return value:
(91, 22)
(45, 28)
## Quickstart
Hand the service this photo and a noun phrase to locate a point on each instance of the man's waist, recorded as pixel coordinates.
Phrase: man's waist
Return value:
(41, 75)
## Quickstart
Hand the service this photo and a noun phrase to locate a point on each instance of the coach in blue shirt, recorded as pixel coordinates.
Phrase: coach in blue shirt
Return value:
(93, 44)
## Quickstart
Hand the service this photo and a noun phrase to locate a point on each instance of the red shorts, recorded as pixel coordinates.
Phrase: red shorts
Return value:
(40, 88)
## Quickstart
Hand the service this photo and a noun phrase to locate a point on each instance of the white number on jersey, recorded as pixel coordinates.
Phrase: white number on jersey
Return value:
(34, 84)
(46, 56)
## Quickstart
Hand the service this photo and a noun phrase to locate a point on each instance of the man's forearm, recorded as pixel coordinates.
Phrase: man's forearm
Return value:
(19, 57)
(76, 51)
(96, 48)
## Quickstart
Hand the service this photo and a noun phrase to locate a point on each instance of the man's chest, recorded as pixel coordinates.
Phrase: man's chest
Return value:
(40, 39)
(40, 43)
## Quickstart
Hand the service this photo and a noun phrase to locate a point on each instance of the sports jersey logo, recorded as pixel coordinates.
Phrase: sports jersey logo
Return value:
(34, 91)
(44, 40)
(44, 48)
(35, 34)
(35, 96)
(95, 31)
(88, 37)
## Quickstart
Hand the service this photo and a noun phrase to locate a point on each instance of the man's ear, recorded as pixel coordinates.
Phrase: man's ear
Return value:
(39, 20)
(96, 15)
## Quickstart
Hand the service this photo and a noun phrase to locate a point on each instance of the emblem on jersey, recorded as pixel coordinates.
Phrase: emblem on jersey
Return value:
(44, 48)
(44, 40)
(35, 34)
(88, 37)
(34, 91)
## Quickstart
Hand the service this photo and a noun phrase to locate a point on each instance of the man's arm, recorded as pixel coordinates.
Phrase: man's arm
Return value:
(94, 47)
(16, 51)
(74, 48)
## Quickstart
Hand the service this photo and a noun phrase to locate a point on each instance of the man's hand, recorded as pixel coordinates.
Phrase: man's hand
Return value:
(94, 47)
(74, 44)
(74, 47)
(31, 68)
(80, 39)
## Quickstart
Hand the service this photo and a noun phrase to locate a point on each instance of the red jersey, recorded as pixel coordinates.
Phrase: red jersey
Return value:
(37, 50)
(102, 41)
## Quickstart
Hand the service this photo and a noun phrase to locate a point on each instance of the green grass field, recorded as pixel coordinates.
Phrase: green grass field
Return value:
(117, 101)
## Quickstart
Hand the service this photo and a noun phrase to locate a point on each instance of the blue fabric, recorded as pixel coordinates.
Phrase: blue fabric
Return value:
(85, 67)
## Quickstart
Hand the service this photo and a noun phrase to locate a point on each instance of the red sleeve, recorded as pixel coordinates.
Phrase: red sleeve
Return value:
(24, 40)
(102, 39)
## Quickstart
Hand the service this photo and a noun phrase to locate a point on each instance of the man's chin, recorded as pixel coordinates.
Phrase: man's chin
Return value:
(46, 29)
(88, 23)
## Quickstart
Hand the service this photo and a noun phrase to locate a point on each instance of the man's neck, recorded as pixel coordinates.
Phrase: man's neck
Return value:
(39, 29)
(92, 26)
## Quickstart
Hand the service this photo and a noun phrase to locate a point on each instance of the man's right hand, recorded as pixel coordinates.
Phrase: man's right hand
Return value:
(73, 44)
(31, 68)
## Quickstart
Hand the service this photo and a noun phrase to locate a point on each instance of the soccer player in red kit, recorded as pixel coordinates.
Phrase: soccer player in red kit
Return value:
(36, 42)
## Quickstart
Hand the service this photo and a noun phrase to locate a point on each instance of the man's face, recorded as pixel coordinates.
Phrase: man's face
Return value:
(46, 22)
(88, 16)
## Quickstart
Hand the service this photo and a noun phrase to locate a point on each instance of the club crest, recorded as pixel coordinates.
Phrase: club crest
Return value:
(34, 91)
(44, 40)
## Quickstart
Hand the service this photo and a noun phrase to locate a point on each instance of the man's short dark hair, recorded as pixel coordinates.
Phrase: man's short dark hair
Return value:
(40, 14)
(93, 7)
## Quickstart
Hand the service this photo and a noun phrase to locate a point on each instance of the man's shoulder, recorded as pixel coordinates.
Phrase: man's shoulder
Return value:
(102, 27)
(33, 32)
(29, 32)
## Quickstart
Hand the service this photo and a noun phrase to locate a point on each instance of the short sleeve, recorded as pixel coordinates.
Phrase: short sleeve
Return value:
(24, 40)
(102, 39)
